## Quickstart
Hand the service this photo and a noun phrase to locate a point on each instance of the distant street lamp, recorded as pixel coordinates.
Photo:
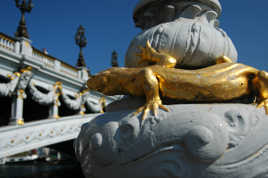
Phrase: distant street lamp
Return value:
(114, 61)
(81, 41)
(23, 7)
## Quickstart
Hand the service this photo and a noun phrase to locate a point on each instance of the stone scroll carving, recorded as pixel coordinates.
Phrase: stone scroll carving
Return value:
(194, 140)
(187, 30)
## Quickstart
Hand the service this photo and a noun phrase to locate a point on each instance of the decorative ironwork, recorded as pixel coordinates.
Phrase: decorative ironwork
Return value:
(114, 61)
(23, 7)
(81, 41)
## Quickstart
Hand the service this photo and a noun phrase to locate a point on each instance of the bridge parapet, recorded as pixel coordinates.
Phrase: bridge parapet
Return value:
(37, 134)
(7, 42)
(37, 58)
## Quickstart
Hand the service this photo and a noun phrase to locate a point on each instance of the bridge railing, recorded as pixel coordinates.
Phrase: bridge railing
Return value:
(53, 63)
(67, 69)
(7, 42)
(18, 47)
(43, 58)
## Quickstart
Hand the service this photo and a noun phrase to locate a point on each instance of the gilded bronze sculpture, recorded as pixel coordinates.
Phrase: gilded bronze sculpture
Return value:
(220, 82)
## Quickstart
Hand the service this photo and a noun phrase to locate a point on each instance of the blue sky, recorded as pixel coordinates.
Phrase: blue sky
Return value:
(109, 26)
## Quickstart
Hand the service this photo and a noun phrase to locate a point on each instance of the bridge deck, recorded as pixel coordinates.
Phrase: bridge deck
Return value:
(17, 139)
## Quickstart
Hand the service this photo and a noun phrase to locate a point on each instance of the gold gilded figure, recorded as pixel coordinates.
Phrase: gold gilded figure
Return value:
(217, 83)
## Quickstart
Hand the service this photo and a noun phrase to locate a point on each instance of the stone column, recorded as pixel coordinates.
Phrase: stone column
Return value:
(82, 109)
(17, 108)
(54, 108)
(54, 111)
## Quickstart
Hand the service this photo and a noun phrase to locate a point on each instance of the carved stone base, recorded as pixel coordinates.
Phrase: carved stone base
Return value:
(190, 141)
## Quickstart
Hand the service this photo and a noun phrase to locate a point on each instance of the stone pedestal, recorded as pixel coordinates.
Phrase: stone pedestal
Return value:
(54, 108)
(25, 48)
(192, 140)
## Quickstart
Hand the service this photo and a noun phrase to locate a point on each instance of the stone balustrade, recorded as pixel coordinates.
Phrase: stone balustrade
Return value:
(46, 61)
(7, 42)
(67, 69)
(55, 64)
(43, 59)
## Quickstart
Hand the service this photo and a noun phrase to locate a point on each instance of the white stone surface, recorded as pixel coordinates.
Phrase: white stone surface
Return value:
(190, 34)
(190, 141)
(213, 3)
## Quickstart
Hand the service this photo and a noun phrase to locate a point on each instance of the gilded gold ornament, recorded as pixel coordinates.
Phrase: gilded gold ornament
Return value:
(17, 74)
(56, 116)
(20, 122)
(221, 82)
(26, 69)
(82, 110)
(58, 85)
(21, 94)
(10, 77)
(102, 102)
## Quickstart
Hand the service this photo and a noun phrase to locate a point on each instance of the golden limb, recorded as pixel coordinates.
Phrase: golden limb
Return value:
(151, 106)
(261, 84)
(223, 59)
(102, 102)
(150, 55)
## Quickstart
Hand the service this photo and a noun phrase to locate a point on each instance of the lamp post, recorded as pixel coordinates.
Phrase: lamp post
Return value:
(81, 41)
(23, 7)
(114, 61)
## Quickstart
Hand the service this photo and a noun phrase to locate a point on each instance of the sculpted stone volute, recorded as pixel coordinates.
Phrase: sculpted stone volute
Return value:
(191, 141)
(186, 30)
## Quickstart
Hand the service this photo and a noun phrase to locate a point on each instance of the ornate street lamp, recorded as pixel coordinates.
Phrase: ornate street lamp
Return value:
(81, 41)
(23, 7)
(114, 61)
